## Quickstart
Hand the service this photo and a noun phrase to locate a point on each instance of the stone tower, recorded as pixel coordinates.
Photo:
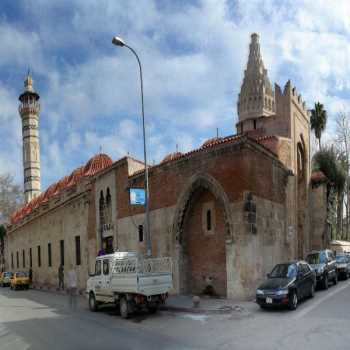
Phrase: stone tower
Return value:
(29, 111)
(257, 97)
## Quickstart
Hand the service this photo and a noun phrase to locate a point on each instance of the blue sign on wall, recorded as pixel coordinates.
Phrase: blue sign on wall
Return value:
(137, 196)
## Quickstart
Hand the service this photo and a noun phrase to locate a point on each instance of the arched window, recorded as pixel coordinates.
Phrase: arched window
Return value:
(108, 207)
(101, 209)
(209, 223)
(300, 162)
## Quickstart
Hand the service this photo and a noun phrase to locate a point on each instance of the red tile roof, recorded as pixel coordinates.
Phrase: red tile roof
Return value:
(171, 156)
(208, 144)
(92, 167)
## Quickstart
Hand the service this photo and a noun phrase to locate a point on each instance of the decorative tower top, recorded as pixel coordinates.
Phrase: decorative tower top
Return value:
(257, 97)
(29, 109)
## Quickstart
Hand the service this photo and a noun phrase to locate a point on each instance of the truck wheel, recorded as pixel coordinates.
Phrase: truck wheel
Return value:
(124, 308)
(92, 303)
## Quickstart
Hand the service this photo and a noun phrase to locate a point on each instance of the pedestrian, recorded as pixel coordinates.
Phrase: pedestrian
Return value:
(72, 284)
(61, 277)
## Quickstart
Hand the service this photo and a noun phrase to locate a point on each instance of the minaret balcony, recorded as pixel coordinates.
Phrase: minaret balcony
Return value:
(29, 108)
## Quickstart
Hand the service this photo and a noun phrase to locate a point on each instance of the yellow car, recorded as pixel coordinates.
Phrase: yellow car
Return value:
(19, 280)
(5, 278)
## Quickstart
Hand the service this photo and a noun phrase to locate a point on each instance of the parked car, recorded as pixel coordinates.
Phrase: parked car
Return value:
(19, 280)
(325, 266)
(343, 265)
(5, 278)
(286, 285)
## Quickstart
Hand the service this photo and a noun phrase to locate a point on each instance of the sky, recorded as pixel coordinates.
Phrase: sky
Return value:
(193, 55)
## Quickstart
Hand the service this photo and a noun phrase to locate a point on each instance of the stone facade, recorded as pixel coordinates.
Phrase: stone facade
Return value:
(225, 212)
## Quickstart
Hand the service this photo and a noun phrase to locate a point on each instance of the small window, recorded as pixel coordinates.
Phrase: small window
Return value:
(77, 250)
(62, 252)
(254, 124)
(209, 220)
(12, 263)
(140, 233)
(106, 267)
(30, 258)
(49, 254)
(17, 259)
(98, 268)
(23, 258)
(39, 256)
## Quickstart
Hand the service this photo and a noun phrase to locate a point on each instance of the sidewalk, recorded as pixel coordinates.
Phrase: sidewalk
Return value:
(207, 305)
(55, 290)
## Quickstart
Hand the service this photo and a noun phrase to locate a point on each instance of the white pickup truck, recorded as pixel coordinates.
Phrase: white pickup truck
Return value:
(131, 281)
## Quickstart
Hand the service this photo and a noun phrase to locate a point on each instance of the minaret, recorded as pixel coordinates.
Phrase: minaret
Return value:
(257, 97)
(29, 110)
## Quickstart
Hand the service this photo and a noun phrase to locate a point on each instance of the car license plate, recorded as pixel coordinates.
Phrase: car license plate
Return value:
(268, 300)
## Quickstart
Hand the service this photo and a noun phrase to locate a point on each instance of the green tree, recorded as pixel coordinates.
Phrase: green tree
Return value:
(331, 163)
(318, 121)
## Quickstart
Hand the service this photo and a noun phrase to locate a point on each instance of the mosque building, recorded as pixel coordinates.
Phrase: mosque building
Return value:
(226, 212)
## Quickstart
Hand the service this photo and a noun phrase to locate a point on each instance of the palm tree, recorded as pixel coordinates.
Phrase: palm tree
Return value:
(318, 121)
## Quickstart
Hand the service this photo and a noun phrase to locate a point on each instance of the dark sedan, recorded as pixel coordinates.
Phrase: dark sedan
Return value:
(286, 285)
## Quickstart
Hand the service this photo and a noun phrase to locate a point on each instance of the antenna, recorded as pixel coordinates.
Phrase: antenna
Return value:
(217, 133)
(100, 148)
(177, 148)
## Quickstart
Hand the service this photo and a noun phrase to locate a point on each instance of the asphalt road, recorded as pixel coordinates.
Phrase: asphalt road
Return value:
(39, 320)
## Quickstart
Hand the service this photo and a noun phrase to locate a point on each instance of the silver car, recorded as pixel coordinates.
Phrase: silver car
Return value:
(343, 266)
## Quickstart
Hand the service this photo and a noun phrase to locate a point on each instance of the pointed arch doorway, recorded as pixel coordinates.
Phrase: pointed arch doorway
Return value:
(202, 227)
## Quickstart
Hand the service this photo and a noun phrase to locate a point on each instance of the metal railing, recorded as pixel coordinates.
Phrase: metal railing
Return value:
(143, 266)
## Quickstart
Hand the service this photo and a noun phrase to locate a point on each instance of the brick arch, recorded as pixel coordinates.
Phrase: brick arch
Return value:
(205, 181)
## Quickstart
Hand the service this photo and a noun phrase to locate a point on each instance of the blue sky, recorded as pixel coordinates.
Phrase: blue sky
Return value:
(193, 55)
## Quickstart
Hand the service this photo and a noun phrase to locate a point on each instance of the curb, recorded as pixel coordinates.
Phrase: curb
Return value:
(54, 290)
(222, 311)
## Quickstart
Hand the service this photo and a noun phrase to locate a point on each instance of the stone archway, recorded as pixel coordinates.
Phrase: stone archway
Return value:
(202, 227)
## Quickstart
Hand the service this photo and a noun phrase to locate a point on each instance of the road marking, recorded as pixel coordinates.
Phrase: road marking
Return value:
(317, 302)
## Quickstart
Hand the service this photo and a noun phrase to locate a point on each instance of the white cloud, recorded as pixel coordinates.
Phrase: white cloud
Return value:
(193, 58)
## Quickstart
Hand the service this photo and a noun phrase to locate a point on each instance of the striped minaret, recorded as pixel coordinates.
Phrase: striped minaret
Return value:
(29, 109)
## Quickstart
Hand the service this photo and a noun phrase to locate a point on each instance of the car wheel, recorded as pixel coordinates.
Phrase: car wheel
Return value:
(312, 291)
(124, 308)
(92, 303)
(325, 282)
(335, 280)
(293, 301)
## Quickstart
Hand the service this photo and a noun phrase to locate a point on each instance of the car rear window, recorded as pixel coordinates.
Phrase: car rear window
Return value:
(21, 274)
(313, 258)
(7, 274)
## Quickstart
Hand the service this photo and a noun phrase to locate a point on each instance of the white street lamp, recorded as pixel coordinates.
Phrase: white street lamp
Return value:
(120, 42)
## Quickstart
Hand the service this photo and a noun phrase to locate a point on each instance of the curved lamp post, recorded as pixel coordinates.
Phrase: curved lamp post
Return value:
(120, 42)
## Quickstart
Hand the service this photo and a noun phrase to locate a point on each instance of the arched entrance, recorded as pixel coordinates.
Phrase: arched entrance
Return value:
(202, 228)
